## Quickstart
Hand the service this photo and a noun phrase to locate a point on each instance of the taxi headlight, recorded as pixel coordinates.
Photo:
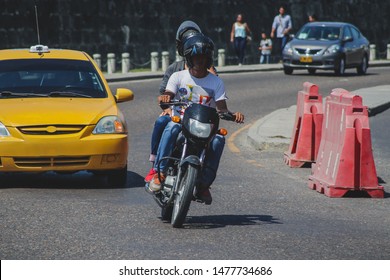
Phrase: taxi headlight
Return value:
(199, 129)
(109, 125)
(3, 130)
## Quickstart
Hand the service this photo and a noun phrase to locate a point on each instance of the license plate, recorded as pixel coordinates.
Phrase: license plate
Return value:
(306, 59)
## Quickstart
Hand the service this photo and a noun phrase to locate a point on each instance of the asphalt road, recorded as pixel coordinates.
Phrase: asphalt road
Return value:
(261, 210)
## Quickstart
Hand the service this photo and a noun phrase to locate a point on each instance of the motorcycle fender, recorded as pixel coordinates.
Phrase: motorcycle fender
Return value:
(193, 160)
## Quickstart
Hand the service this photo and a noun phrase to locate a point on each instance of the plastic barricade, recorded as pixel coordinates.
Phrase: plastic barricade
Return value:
(345, 161)
(306, 136)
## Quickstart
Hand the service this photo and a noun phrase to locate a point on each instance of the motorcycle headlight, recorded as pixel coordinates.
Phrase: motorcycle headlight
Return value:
(198, 129)
(332, 49)
(109, 125)
(3, 130)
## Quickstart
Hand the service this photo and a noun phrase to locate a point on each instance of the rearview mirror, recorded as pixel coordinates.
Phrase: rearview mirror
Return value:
(123, 94)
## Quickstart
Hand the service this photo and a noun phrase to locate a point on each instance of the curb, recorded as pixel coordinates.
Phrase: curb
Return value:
(120, 77)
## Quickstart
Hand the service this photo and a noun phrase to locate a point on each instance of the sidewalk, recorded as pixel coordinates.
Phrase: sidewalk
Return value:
(275, 129)
(119, 77)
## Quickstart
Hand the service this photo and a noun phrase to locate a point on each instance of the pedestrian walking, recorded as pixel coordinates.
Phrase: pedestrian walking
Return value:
(239, 36)
(281, 25)
(265, 48)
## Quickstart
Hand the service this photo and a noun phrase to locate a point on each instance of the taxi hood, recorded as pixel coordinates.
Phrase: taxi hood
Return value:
(66, 111)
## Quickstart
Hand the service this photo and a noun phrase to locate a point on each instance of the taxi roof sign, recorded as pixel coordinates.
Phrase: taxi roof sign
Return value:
(39, 49)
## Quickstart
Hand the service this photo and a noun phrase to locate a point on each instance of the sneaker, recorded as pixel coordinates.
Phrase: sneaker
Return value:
(150, 175)
(205, 195)
(155, 183)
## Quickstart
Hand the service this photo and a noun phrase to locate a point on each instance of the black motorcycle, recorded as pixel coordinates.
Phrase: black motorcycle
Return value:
(199, 125)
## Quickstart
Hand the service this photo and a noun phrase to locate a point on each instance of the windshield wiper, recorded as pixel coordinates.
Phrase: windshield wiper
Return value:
(67, 94)
(7, 93)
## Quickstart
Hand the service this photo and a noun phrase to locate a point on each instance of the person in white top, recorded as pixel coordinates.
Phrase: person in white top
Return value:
(265, 48)
(196, 85)
(238, 36)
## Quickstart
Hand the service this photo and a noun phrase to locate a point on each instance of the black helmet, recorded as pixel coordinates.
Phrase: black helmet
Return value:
(186, 29)
(198, 44)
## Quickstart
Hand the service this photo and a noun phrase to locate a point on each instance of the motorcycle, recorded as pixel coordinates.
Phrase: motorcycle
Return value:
(199, 125)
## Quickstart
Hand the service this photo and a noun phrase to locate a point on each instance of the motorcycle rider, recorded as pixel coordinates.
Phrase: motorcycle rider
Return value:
(196, 85)
(186, 30)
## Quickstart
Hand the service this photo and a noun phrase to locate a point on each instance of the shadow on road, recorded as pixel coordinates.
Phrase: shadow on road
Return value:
(218, 221)
(52, 180)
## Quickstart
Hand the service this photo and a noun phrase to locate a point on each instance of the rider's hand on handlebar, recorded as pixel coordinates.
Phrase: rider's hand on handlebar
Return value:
(239, 117)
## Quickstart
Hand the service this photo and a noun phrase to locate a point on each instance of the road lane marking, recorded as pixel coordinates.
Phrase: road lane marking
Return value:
(230, 141)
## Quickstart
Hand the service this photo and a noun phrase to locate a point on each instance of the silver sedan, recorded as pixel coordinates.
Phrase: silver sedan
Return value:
(327, 46)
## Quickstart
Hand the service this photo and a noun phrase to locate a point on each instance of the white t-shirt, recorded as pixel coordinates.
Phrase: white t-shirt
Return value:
(188, 88)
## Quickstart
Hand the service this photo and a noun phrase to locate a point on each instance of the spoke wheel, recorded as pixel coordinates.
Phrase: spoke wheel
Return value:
(184, 196)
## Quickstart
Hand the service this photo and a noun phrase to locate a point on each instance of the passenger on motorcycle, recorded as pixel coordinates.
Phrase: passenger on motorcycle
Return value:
(186, 30)
(195, 85)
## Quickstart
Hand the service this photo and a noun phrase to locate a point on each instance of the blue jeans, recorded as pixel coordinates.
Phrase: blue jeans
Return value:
(212, 159)
(239, 46)
(264, 58)
(158, 130)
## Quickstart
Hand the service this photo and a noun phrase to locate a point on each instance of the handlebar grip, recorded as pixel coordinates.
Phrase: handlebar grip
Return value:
(227, 116)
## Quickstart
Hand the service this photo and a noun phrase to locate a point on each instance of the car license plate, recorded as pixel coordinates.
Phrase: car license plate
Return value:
(306, 59)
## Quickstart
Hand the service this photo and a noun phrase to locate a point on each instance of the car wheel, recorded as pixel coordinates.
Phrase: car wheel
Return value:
(362, 68)
(288, 70)
(117, 178)
(311, 71)
(340, 68)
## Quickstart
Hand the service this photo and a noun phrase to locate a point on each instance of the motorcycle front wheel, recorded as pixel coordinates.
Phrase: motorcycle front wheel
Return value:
(184, 196)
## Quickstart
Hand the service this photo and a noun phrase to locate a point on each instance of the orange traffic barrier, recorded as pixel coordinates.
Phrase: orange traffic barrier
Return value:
(345, 161)
(306, 136)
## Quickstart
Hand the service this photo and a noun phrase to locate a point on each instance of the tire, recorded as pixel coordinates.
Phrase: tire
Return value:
(311, 71)
(166, 213)
(117, 178)
(340, 68)
(184, 196)
(288, 70)
(362, 68)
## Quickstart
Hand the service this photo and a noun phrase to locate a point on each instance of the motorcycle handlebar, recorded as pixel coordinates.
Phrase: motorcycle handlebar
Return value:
(228, 116)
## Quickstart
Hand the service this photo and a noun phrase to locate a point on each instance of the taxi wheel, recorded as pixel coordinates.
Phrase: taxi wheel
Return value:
(117, 178)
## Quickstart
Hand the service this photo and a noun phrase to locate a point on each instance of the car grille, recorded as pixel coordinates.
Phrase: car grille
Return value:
(50, 161)
(308, 51)
(51, 129)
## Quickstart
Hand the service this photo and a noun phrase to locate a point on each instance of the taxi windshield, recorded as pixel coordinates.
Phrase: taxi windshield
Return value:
(43, 77)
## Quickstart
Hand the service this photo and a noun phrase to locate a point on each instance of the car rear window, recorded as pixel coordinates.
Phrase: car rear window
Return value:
(45, 76)
(326, 33)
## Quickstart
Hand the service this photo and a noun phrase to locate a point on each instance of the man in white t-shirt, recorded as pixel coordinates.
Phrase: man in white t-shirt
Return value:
(195, 85)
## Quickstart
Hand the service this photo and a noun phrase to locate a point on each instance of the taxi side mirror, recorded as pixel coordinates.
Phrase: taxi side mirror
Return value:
(123, 94)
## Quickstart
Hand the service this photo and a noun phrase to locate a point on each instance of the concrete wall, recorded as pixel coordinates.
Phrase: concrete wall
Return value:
(142, 26)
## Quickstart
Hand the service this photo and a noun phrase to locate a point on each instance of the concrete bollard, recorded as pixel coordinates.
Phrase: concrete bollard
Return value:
(125, 62)
(165, 60)
(388, 51)
(154, 61)
(372, 52)
(111, 63)
(221, 57)
(178, 57)
(98, 59)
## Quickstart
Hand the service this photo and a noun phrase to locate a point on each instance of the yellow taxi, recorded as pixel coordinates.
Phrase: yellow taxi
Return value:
(57, 113)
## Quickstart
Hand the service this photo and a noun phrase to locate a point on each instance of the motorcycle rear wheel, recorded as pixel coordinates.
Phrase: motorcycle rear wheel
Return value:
(184, 196)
